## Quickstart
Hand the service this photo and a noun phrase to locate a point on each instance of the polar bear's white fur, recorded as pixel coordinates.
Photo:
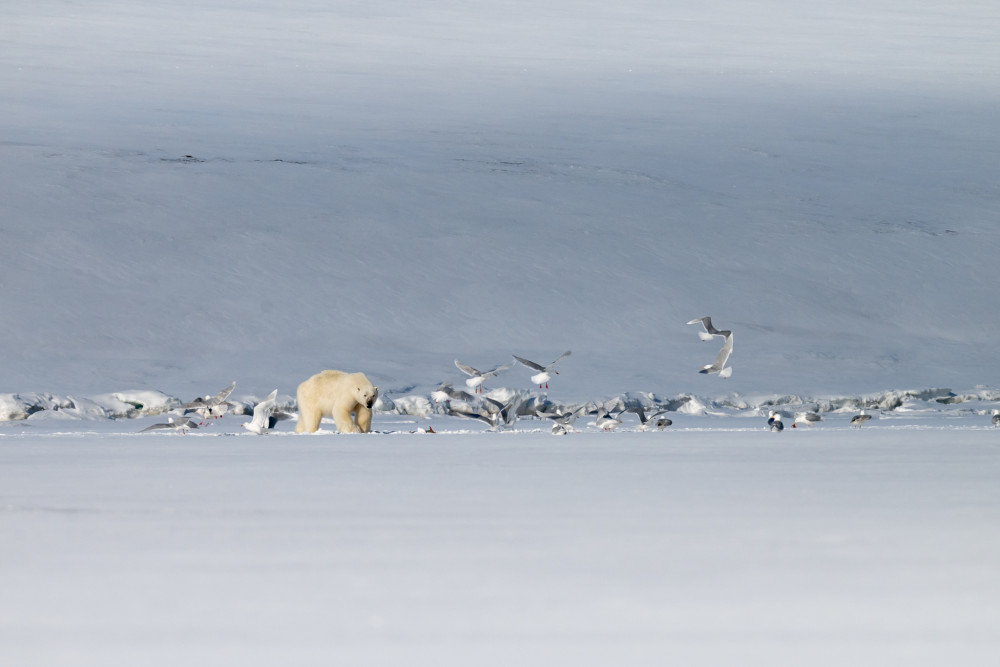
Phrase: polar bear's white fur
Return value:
(336, 394)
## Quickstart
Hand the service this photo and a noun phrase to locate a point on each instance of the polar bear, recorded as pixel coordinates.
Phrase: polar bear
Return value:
(336, 394)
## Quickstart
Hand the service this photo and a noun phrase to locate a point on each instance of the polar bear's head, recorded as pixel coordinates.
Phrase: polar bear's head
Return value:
(365, 394)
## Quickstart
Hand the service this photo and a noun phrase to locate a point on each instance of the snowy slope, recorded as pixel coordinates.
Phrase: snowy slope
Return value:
(198, 192)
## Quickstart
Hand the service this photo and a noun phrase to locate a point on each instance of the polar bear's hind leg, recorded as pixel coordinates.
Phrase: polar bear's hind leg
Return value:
(308, 420)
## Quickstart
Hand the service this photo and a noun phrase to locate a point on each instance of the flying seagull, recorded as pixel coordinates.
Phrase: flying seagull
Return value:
(646, 422)
(506, 411)
(481, 415)
(446, 393)
(477, 377)
(709, 331)
(543, 376)
(211, 406)
(719, 365)
(492, 412)
(563, 420)
(264, 416)
(608, 423)
(180, 424)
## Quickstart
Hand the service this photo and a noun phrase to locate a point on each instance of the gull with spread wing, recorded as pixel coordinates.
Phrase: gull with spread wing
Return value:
(478, 377)
(544, 372)
(264, 416)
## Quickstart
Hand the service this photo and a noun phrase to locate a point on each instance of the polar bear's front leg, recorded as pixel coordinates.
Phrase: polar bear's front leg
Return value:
(342, 417)
(363, 416)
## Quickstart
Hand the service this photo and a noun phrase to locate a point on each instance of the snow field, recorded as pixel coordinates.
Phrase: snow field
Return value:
(831, 546)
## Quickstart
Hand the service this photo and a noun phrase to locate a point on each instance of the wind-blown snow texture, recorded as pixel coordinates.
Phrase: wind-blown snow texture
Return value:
(195, 192)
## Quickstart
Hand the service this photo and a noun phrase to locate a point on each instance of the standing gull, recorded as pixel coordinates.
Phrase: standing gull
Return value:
(710, 331)
(996, 418)
(807, 418)
(859, 420)
(543, 376)
(478, 377)
(774, 422)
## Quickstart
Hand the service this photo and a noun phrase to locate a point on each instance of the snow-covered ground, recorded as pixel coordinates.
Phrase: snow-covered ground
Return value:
(695, 546)
(193, 193)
